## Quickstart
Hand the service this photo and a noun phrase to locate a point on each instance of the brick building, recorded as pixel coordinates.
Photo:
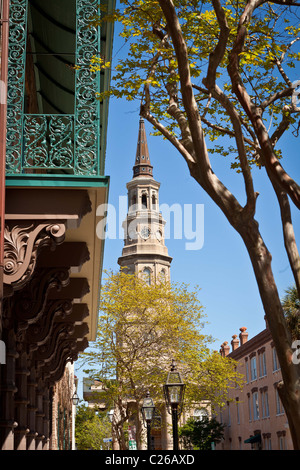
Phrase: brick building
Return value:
(63, 411)
(253, 416)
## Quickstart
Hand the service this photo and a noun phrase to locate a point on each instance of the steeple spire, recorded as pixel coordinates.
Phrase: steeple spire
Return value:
(142, 166)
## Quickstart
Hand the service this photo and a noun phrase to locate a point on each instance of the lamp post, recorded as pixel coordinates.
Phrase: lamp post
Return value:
(110, 416)
(148, 411)
(75, 399)
(174, 396)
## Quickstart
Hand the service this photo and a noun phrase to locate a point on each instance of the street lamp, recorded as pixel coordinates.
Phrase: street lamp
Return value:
(174, 395)
(148, 412)
(75, 399)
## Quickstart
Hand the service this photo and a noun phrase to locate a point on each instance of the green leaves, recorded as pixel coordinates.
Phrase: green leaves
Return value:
(141, 329)
(201, 433)
(91, 428)
(147, 71)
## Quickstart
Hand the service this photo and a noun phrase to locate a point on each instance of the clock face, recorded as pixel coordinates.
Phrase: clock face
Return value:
(145, 232)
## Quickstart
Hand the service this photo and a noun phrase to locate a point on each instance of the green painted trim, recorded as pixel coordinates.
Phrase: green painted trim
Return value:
(69, 181)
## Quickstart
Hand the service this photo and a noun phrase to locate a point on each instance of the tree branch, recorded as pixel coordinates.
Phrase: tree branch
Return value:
(254, 113)
(217, 55)
(202, 171)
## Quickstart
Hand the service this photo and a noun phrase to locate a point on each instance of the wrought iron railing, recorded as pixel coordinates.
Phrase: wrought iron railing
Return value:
(54, 143)
(48, 142)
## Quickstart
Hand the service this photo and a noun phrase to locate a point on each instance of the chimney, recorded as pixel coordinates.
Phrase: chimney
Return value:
(243, 335)
(224, 349)
(235, 342)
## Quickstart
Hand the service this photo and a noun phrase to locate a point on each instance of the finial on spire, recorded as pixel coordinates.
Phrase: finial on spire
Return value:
(142, 166)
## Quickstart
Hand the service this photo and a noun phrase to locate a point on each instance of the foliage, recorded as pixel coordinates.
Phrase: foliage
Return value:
(201, 433)
(218, 77)
(150, 70)
(291, 308)
(141, 329)
(91, 427)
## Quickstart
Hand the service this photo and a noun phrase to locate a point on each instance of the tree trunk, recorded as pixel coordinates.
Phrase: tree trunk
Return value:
(289, 388)
(288, 232)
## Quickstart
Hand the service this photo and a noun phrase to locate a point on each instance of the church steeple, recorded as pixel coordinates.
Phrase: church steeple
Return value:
(142, 166)
(144, 242)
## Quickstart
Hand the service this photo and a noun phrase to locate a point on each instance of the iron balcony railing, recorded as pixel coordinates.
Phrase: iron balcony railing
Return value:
(56, 144)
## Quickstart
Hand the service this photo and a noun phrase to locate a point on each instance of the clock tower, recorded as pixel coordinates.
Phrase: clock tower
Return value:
(144, 250)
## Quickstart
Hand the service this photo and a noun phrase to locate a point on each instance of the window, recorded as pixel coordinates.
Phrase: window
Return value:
(162, 276)
(281, 441)
(200, 413)
(262, 364)
(253, 368)
(144, 201)
(247, 372)
(279, 407)
(249, 408)
(147, 276)
(237, 411)
(229, 415)
(267, 443)
(255, 406)
(275, 360)
(265, 404)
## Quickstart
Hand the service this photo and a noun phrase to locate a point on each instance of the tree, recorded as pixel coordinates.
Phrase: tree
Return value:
(91, 427)
(291, 308)
(141, 329)
(201, 433)
(221, 71)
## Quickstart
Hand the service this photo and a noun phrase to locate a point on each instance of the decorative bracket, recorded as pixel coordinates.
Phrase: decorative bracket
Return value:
(21, 247)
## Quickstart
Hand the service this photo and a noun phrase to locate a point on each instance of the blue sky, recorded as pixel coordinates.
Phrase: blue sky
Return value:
(221, 268)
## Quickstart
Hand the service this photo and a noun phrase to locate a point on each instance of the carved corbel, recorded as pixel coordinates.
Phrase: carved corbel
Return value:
(66, 350)
(38, 333)
(68, 353)
(22, 244)
(30, 302)
(60, 333)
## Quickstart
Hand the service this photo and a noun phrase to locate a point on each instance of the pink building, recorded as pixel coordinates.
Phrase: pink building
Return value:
(253, 416)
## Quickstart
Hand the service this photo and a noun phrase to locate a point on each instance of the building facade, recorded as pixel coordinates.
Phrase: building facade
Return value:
(63, 411)
(53, 142)
(254, 417)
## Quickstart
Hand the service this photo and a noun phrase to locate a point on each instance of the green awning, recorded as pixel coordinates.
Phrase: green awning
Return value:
(253, 439)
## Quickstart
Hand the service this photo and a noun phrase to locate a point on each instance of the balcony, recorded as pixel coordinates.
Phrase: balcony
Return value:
(56, 140)
(56, 128)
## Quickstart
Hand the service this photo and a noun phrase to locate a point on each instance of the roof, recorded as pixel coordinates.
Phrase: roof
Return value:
(142, 165)
(253, 343)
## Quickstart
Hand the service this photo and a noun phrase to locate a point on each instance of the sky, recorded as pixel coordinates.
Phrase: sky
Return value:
(221, 267)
